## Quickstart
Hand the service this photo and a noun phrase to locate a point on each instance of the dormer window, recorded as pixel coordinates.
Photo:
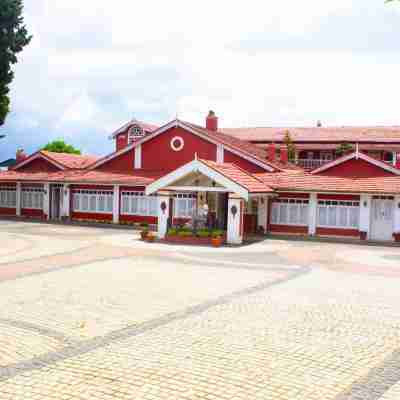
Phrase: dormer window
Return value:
(135, 132)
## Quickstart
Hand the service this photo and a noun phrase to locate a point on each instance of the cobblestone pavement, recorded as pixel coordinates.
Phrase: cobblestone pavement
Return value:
(89, 313)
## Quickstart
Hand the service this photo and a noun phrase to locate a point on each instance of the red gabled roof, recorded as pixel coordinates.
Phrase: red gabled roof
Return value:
(72, 161)
(239, 176)
(61, 160)
(147, 128)
(377, 134)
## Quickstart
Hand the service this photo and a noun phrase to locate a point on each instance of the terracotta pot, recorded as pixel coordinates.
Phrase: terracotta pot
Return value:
(396, 236)
(144, 234)
(150, 238)
(363, 235)
(216, 241)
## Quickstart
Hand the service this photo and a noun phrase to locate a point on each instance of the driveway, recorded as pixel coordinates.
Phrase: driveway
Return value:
(94, 313)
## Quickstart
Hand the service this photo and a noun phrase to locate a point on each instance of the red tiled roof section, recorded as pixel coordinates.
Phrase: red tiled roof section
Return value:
(139, 178)
(241, 145)
(239, 176)
(72, 161)
(305, 182)
(377, 134)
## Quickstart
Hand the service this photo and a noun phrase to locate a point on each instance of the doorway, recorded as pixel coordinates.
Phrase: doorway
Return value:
(382, 210)
(56, 201)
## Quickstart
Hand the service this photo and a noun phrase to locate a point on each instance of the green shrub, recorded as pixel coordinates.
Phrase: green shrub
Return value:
(185, 233)
(144, 224)
(172, 231)
(203, 233)
(216, 233)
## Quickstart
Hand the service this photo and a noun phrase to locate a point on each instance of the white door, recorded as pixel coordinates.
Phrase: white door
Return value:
(382, 219)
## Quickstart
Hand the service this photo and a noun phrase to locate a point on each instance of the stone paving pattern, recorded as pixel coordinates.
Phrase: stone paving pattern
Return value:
(101, 315)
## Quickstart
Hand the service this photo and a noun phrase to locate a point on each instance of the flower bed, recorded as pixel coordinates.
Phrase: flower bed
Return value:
(202, 237)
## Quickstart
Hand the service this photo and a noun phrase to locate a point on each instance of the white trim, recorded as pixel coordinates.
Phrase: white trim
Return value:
(197, 189)
(173, 124)
(138, 157)
(357, 156)
(180, 145)
(312, 214)
(197, 166)
(220, 154)
(116, 204)
(36, 156)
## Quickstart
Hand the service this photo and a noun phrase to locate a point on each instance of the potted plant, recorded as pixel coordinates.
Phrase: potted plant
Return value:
(203, 233)
(185, 232)
(363, 235)
(172, 232)
(216, 237)
(144, 230)
(396, 236)
(150, 237)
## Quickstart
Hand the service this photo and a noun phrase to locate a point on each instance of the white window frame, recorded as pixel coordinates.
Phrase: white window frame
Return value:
(32, 198)
(94, 199)
(132, 136)
(337, 206)
(9, 195)
(146, 206)
(279, 218)
(190, 201)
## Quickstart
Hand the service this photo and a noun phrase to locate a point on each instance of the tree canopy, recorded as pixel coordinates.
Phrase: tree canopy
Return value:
(59, 146)
(13, 38)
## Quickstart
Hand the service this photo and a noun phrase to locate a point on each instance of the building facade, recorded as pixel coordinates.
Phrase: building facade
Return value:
(165, 175)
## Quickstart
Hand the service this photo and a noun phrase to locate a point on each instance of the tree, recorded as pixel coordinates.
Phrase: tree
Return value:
(13, 38)
(291, 148)
(59, 146)
(344, 148)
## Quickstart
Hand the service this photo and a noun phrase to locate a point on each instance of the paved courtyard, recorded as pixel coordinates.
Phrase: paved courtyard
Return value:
(94, 313)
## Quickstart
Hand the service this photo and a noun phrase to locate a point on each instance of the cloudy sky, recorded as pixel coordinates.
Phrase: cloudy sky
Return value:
(95, 64)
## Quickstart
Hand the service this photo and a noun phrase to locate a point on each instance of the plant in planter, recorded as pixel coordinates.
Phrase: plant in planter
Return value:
(185, 232)
(203, 233)
(396, 236)
(144, 230)
(150, 237)
(363, 235)
(172, 232)
(216, 237)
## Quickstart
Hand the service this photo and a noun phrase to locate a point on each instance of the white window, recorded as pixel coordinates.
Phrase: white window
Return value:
(93, 201)
(32, 198)
(184, 205)
(134, 133)
(8, 197)
(290, 212)
(338, 214)
(136, 203)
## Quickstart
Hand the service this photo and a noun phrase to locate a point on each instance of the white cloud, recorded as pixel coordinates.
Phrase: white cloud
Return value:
(94, 64)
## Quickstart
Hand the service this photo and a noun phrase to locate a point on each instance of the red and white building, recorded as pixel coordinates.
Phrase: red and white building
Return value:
(163, 175)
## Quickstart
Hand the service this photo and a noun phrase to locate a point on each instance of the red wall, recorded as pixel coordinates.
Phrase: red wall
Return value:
(338, 197)
(294, 195)
(357, 168)
(289, 229)
(158, 155)
(8, 211)
(32, 213)
(241, 162)
(122, 163)
(138, 219)
(39, 165)
(92, 216)
(337, 232)
(121, 141)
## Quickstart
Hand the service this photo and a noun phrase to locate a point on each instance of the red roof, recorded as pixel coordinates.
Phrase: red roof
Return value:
(305, 182)
(73, 161)
(374, 134)
(138, 178)
(239, 176)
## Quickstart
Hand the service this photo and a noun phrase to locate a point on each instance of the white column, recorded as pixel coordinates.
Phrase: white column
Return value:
(46, 200)
(396, 227)
(163, 214)
(365, 213)
(19, 199)
(262, 213)
(235, 220)
(66, 201)
(138, 157)
(312, 216)
(116, 205)
(394, 157)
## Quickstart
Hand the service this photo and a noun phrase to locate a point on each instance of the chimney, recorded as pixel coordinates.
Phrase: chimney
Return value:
(271, 152)
(212, 121)
(284, 155)
(20, 155)
(319, 124)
